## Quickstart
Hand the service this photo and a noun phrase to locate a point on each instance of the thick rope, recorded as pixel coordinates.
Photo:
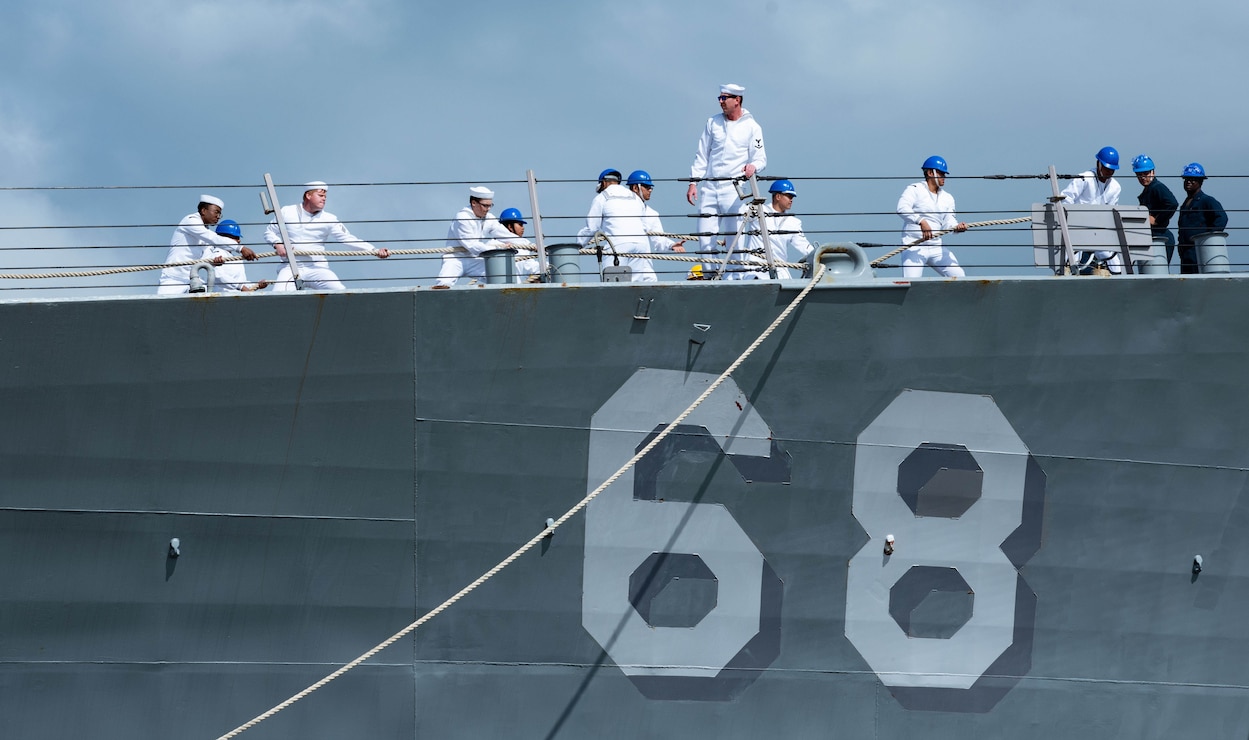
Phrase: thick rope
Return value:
(259, 256)
(876, 262)
(815, 279)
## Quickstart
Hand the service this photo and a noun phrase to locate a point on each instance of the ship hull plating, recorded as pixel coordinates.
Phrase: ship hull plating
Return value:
(1049, 455)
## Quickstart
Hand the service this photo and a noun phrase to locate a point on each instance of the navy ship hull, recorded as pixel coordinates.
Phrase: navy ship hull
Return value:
(1049, 456)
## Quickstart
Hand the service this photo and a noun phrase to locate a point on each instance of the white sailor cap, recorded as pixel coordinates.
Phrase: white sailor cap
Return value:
(212, 201)
(480, 193)
(731, 89)
(315, 185)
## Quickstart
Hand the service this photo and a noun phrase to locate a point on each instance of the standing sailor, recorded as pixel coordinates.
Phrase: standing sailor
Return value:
(310, 226)
(1200, 214)
(643, 186)
(926, 207)
(192, 235)
(473, 231)
(1158, 199)
(621, 215)
(731, 146)
(784, 234)
(1097, 187)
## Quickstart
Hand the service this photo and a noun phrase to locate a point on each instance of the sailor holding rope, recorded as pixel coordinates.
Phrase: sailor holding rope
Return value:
(473, 230)
(310, 226)
(193, 234)
(926, 207)
(784, 234)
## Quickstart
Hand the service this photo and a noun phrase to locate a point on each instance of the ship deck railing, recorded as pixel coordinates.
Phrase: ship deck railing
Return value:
(87, 241)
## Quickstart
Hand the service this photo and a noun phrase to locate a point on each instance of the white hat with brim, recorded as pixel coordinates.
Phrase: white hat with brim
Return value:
(480, 193)
(315, 185)
(212, 201)
(731, 89)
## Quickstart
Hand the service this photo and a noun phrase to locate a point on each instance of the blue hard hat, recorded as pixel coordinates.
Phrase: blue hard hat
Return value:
(640, 177)
(936, 163)
(1195, 170)
(1109, 157)
(783, 186)
(509, 215)
(229, 227)
(1142, 163)
(609, 171)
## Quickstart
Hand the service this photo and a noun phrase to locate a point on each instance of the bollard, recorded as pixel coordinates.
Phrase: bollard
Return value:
(500, 266)
(564, 262)
(844, 262)
(1156, 262)
(1212, 252)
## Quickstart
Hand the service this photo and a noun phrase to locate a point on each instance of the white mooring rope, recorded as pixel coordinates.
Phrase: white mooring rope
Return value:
(1001, 222)
(815, 279)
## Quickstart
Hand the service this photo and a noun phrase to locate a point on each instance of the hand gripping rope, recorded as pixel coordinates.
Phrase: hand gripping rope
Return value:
(879, 260)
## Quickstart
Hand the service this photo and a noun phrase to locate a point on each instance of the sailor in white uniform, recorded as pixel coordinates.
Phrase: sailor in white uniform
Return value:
(473, 231)
(785, 236)
(731, 146)
(526, 269)
(192, 235)
(620, 214)
(925, 208)
(1098, 187)
(230, 277)
(310, 226)
(643, 186)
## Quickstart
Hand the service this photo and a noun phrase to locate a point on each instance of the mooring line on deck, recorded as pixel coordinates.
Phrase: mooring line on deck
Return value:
(546, 532)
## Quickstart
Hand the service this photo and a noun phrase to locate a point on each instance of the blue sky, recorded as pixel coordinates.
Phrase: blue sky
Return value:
(198, 94)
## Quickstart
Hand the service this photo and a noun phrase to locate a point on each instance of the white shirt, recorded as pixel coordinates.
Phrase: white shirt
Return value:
(653, 224)
(918, 203)
(190, 238)
(727, 146)
(1088, 190)
(621, 214)
(310, 231)
(784, 233)
(476, 235)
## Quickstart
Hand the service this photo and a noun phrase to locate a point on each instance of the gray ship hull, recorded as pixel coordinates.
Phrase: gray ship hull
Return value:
(1050, 454)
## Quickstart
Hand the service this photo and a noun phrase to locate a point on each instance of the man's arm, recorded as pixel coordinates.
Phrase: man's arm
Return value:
(1167, 206)
(699, 168)
(1218, 217)
(593, 221)
(756, 154)
(464, 233)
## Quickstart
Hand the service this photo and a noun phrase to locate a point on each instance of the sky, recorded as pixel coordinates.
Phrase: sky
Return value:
(116, 115)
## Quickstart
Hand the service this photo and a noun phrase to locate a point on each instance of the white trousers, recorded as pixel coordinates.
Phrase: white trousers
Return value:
(718, 197)
(174, 280)
(935, 256)
(457, 265)
(315, 277)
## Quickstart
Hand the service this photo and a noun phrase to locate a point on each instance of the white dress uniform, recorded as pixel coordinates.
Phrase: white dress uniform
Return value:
(918, 203)
(654, 226)
(469, 236)
(619, 213)
(230, 277)
(723, 150)
(1086, 189)
(309, 232)
(784, 234)
(188, 243)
